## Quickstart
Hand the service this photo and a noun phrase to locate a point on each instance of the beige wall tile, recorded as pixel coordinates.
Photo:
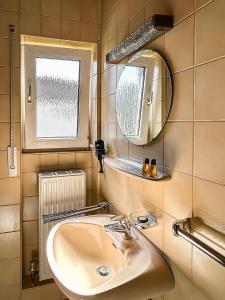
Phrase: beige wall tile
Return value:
(89, 32)
(200, 3)
(10, 245)
(11, 293)
(5, 107)
(6, 18)
(209, 43)
(154, 193)
(50, 8)
(142, 194)
(49, 161)
(71, 30)
(71, 9)
(51, 292)
(30, 162)
(10, 191)
(183, 101)
(210, 92)
(178, 143)
(50, 27)
(89, 10)
(180, 8)
(178, 195)
(178, 250)
(197, 294)
(122, 14)
(155, 233)
(30, 184)
(153, 7)
(30, 24)
(67, 161)
(4, 84)
(111, 111)
(10, 5)
(122, 34)
(209, 155)
(112, 185)
(110, 29)
(33, 6)
(30, 208)
(5, 135)
(109, 80)
(179, 45)
(32, 293)
(30, 232)
(209, 203)
(136, 21)
(4, 164)
(4, 54)
(83, 160)
(9, 218)
(134, 7)
(11, 275)
(212, 282)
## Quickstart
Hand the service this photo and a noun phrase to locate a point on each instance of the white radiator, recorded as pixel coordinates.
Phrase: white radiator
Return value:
(58, 191)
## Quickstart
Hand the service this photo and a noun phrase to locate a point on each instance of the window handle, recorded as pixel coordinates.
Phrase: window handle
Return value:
(149, 100)
(29, 94)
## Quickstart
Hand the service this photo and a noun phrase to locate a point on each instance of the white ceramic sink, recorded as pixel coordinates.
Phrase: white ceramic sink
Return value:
(77, 248)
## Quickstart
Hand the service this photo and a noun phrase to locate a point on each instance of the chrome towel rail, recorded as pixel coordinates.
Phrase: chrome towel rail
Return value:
(75, 212)
(183, 228)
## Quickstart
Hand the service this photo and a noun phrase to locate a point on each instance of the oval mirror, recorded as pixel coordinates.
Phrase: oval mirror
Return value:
(144, 97)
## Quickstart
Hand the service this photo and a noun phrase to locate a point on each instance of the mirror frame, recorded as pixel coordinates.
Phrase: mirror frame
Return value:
(171, 96)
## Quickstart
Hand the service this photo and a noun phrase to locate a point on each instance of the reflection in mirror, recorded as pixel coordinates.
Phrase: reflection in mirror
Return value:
(144, 97)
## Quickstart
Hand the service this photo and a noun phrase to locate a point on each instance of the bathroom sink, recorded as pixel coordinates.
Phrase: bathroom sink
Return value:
(89, 262)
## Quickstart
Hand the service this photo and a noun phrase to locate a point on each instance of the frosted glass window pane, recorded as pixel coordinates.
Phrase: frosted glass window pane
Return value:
(129, 99)
(57, 86)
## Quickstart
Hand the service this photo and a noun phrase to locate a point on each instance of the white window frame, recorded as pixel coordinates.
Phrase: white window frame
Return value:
(29, 55)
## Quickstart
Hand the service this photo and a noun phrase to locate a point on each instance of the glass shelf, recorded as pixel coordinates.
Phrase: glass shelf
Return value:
(133, 168)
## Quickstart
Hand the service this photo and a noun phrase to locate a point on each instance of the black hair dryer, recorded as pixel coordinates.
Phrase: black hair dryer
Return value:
(100, 153)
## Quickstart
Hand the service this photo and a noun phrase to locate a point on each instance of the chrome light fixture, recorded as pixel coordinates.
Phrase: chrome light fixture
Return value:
(152, 28)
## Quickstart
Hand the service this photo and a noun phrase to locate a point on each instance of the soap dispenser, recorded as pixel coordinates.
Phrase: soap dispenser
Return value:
(146, 167)
(153, 169)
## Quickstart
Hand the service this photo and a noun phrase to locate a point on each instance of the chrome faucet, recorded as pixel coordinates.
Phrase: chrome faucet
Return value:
(122, 227)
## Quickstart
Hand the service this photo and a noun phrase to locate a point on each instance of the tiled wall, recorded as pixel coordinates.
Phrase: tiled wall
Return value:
(63, 19)
(192, 145)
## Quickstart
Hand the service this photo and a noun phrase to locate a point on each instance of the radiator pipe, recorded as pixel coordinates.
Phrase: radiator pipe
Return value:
(75, 212)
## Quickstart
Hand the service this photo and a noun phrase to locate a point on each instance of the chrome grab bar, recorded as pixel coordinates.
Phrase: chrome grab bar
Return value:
(183, 228)
(75, 212)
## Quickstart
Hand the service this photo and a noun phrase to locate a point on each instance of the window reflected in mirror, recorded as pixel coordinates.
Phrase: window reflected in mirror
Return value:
(144, 97)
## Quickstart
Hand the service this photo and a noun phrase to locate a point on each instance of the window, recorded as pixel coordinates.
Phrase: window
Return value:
(55, 92)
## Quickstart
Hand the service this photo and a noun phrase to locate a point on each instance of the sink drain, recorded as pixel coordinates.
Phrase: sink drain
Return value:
(103, 271)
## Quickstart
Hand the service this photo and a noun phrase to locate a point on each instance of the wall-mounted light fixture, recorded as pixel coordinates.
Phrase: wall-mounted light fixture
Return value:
(152, 28)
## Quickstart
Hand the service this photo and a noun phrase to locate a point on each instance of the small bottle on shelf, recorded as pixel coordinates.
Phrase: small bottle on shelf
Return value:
(153, 169)
(146, 167)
